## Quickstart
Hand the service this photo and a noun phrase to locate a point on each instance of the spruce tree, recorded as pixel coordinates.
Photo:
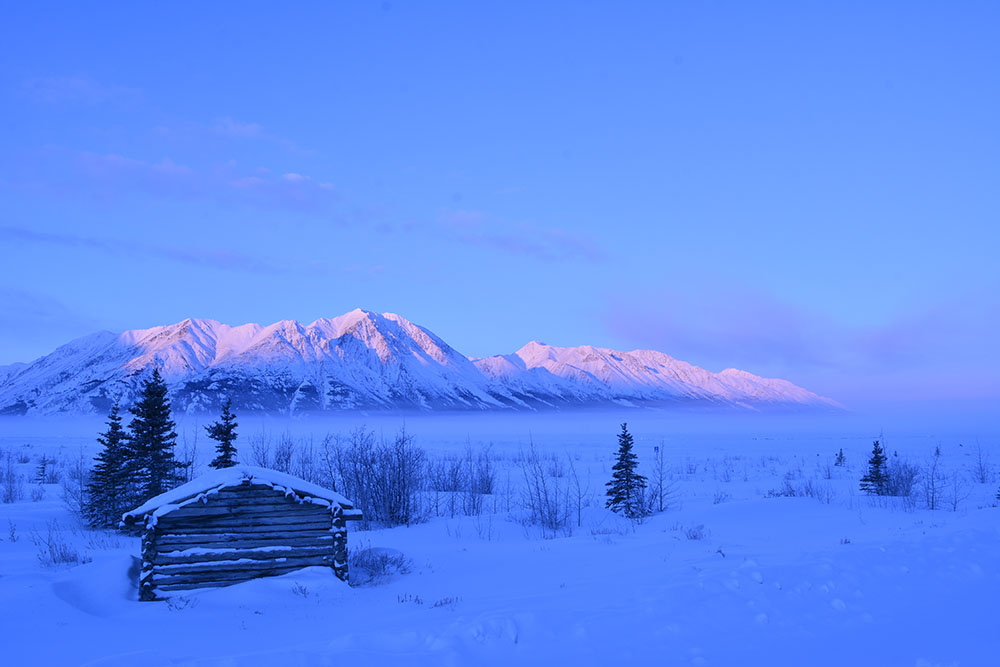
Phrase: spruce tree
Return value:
(224, 433)
(626, 489)
(107, 492)
(42, 470)
(875, 481)
(840, 460)
(152, 437)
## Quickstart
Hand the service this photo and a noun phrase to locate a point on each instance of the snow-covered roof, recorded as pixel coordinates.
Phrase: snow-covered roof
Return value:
(225, 478)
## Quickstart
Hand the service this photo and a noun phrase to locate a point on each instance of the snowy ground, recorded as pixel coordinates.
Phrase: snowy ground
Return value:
(733, 573)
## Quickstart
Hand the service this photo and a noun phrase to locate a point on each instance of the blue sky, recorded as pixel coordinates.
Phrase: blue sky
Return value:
(800, 190)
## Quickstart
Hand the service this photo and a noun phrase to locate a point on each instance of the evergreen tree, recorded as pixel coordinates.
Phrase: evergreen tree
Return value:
(840, 460)
(224, 433)
(626, 489)
(107, 492)
(875, 480)
(152, 437)
(42, 471)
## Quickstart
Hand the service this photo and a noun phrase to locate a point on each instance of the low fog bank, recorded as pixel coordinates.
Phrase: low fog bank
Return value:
(936, 423)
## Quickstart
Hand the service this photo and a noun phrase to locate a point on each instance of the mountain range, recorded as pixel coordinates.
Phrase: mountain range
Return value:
(366, 361)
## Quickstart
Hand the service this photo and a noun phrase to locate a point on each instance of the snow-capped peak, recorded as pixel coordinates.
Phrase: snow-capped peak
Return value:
(360, 359)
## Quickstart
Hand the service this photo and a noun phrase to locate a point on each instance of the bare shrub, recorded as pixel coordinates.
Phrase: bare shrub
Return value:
(662, 492)
(447, 477)
(74, 486)
(37, 493)
(580, 491)
(374, 565)
(446, 602)
(188, 457)
(11, 480)
(545, 498)
(54, 548)
(807, 489)
(554, 467)
(981, 468)
(481, 472)
(260, 449)
(383, 478)
(181, 602)
(283, 452)
(957, 490)
(932, 481)
(901, 477)
(695, 532)
(305, 466)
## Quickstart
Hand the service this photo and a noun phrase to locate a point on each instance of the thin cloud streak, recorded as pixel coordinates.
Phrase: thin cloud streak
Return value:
(75, 89)
(548, 243)
(759, 333)
(214, 258)
(262, 188)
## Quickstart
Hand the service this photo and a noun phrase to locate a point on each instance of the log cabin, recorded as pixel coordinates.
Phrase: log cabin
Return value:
(236, 524)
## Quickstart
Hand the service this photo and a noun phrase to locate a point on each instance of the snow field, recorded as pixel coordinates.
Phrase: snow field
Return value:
(735, 571)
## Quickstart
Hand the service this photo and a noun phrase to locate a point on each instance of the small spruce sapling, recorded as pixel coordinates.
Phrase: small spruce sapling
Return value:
(224, 434)
(875, 480)
(840, 460)
(626, 490)
(41, 472)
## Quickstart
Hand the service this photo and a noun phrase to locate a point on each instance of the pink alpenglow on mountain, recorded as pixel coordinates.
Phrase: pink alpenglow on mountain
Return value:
(364, 360)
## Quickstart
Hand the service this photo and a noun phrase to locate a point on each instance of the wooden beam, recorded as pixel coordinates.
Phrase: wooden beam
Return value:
(169, 558)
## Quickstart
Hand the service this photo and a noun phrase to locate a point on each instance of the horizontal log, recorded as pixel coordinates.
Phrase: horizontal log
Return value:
(233, 496)
(164, 573)
(293, 511)
(199, 580)
(248, 532)
(249, 512)
(210, 509)
(263, 526)
(265, 553)
(228, 538)
(258, 491)
(287, 518)
(211, 583)
(222, 498)
(242, 541)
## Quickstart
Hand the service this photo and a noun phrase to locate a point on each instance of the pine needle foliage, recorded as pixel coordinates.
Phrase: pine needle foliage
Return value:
(107, 493)
(626, 490)
(875, 481)
(224, 433)
(152, 437)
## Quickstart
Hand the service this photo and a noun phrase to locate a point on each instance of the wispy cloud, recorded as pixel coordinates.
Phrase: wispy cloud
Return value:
(32, 322)
(234, 128)
(214, 258)
(752, 330)
(78, 89)
(238, 129)
(226, 128)
(550, 243)
(121, 175)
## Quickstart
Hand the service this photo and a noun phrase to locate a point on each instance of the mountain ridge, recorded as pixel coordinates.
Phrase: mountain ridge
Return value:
(363, 360)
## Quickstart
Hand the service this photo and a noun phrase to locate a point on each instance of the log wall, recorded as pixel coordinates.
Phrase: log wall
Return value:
(238, 534)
